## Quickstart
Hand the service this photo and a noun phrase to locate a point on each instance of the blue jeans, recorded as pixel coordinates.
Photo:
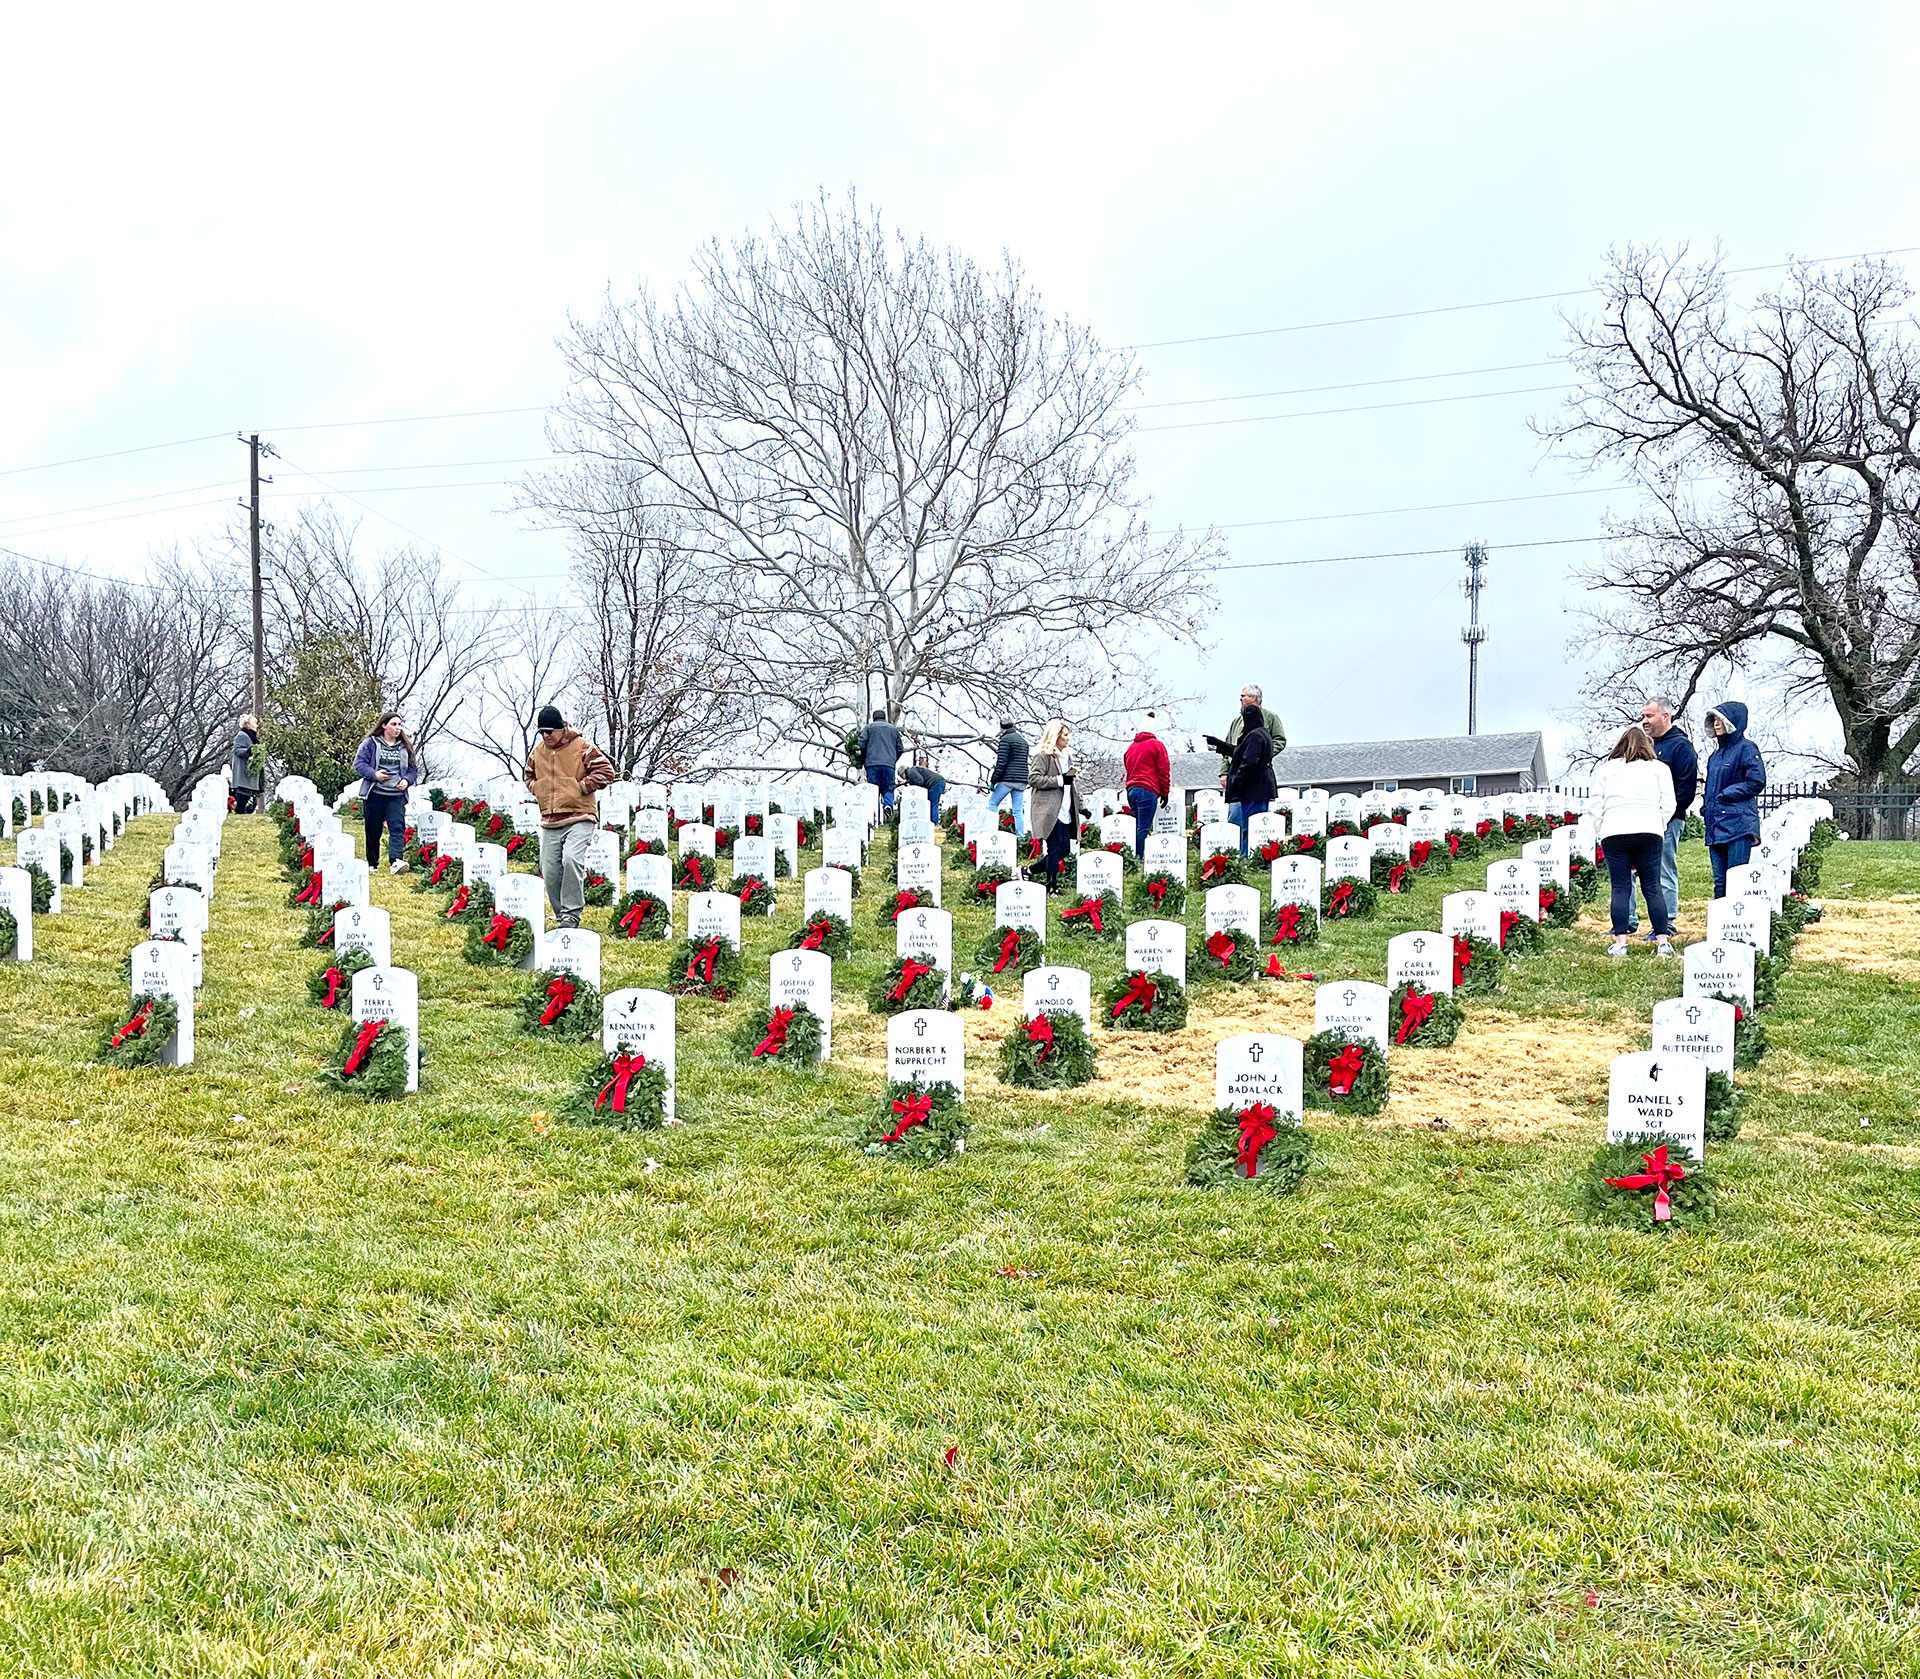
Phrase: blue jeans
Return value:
(389, 809)
(1246, 813)
(881, 776)
(1669, 873)
(1003, 790)
(1733, 855)
(1636, 854)
(1145, 805)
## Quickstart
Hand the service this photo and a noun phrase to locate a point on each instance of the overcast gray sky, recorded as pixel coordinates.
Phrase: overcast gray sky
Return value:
(227, 218)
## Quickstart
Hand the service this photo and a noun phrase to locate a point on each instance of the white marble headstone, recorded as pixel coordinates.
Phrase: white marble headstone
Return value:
(16, 898)
(164, 969)
(1021, 903)
(1096, 873)
(713, 913)
(1233, 908)
(928, 1045)
(1264, 1067)
(1050, 990)
(804, 977)
(1470, 915)
(637, 1022)
(1158, 947)
(1746, 919)
(391, 994)
(361, 927)
(1353, 1007)
(1697, 1026)
(1422, 959)
(569, 950)
(828, 892)
(1714, 968)
(1660, 1096)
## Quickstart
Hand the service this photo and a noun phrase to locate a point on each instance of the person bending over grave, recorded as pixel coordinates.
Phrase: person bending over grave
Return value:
(1736, 778)
(1149, 781)
(247, 765)
(1249, 783)
(1224, 744)
(1632, 800)
(563, 773)
(387, 766)
(917, 774)
(880, 746)
(1009, 779)
(1056, 801)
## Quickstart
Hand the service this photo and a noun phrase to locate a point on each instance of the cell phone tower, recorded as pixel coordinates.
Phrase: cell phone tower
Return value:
(1475, 554)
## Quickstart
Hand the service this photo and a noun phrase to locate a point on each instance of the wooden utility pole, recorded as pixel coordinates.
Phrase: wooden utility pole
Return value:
(259, 614)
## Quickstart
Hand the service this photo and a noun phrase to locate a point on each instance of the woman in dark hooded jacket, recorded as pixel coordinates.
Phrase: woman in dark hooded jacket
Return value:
(1249, 779)
(1730, 805)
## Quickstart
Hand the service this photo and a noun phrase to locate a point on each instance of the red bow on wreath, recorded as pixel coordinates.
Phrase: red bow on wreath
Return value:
(1462, 958)
(560, 995)
(614, 1092)
(499, 930)
(306, 858)
(635, 915)
(1482, 829)
(986, 888)
(440, 867)
(1419, 853)
(911, 973)
(1256, 1131)
(136, 1027)
(1090, 908)
(690, 867)
(1304, 842)
(1509, 919)
(1270, 851)
(1040, 1031)
(815, 936)
(1659, 1173)
(515, 843)
(1548, 898)
(904, 901)
(701, 967)
(749, 888)
(335, 979)
(310, 893)
(1221, 947)
(1286, 923)
(1157, 891)
(1009, 948)
(1739, 1014)
(776, 1038)
(1397, 877)
(1453, 843)
(1342, 899)
(460, 902)
(1140, 989)
(1415, 1011)
(1344, 1068)
(914, 1110)
(1214, 865)
(362, 1046)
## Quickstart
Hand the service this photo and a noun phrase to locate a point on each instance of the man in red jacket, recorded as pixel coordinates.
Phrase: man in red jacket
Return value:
(1149, 780)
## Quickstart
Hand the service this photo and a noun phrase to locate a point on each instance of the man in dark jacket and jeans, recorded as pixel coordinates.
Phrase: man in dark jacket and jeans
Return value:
(1735, 780)
(1676, 752)
(880, 745)
(1009, 780)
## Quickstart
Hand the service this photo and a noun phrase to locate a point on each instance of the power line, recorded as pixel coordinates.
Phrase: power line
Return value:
(1404, 554)
(113, 454)
(1361, 408)
(115, 518)
(1357, 385)
(124, 501)
(412, 419)
(1457, 308)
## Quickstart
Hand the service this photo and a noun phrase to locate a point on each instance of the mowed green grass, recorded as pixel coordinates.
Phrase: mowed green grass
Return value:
(291, 1384)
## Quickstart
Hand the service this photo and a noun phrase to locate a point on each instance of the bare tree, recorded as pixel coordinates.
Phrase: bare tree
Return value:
(533, 665)
(427, 643)
(907, 484)
(1774, 449)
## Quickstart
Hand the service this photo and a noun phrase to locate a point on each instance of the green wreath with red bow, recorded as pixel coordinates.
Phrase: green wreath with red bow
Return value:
(318, 932)
(1559, 907)
(1291, 924)
(755, 895)
(1463, 845)
(1229, 954)
(1347, 1075)
(1161, 893)
(1047, 1052)
(908, 983)
(704, 967)
(1749, 1032)
(1648, 1184)
(1583, 879)
(472, 901)
(1139, 1001)
(560, 1005)
(331, 984)
(1389, 874)
(370, 1060)
(919, 1124)
(1423, 1019)
(444, 874)
(985, 882)
(895, 904)
(599, 889)
(1520, 935)
(1009, 952)
(136, 1037)
(694, 873)
(501, 941)
(646, 848)
(623, 1090)
(1223, 868)
(790, 1033)
(1478, 966)
(1429, 858)
(1255, 1144)
(823, 930)
(1348, 900)
(1097, 918)
(640, 915)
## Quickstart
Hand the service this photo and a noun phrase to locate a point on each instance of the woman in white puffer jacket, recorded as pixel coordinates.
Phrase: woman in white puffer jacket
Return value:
(1632, 802)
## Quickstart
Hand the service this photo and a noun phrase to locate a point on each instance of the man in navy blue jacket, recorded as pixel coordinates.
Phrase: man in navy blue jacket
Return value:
(1735, 780)
(1676, 752)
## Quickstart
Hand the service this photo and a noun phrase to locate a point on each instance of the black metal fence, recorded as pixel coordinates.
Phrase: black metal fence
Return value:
(1890, 811)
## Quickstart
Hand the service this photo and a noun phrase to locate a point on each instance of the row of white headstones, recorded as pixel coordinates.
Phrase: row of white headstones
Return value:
(78, 817)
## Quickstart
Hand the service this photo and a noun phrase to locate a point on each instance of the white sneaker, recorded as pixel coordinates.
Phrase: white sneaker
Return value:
(1617, 948)
(1665, 948)
(399, 866)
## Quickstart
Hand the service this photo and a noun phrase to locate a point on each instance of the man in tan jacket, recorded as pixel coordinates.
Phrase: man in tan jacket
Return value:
(563, 773)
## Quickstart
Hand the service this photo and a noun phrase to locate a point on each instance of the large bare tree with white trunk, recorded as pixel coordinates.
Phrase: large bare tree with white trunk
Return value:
(1774, 450)
(908, 485)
